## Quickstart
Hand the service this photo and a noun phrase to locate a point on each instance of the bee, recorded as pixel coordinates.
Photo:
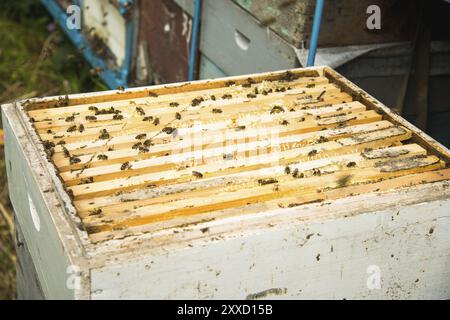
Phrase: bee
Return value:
(117, 117)
(263, 182)
(147, 118)
(93, 71)
(103, 134)
(81, 128)
(72, 128)
(351, 164)
(216, 110)
(156, 121)
(48, 144)
(87, 180)
(152, 94)
(197, 174)
(240, 128)
(174, 104)
(196, 101)
(287, 170)
(74, 160)
(120, 88)
(289, 76)
(230, 83)
(63, 101)
(178, 116)
(227, 156)
(61, 142)
(213, 97)
(148, 143)
(251, 95)
(93, 108)
(102, 157)
(280, 89)
(284, 123)
(70, 194)
(105, 111)
(168, 130)
(276, 109)
(227, 96)
(95, 212)
(70, 118)
(310, 85)
(141, 136)
(140, 111)
(137, 145)
(91, 118)
(312, 153)
(143, 150)
(66, 152)
(125, 166)
(322, 139)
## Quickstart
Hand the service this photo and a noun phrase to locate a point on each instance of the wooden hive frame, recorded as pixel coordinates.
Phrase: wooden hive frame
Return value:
(136, 163)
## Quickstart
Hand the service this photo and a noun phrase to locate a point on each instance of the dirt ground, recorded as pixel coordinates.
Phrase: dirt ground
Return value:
(36, 59)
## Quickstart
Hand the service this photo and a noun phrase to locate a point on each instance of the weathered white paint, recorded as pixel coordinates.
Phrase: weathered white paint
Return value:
(324, 256)
(108, 24)
(52, 246)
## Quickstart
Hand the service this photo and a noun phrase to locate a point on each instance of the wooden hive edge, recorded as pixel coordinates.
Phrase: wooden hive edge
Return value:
(73, 239)
(419, 137)
(335, 78)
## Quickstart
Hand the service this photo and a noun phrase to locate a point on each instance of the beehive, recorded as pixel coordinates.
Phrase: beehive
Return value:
(239, 187)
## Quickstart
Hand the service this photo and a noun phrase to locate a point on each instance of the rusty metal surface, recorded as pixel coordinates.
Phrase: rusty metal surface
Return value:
(166, 30)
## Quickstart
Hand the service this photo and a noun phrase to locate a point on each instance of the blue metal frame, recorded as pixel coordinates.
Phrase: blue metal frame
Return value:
(194, 39)
(315, 33)
(113, 78)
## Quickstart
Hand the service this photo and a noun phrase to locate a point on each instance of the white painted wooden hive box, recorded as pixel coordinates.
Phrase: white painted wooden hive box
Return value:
(290, 184)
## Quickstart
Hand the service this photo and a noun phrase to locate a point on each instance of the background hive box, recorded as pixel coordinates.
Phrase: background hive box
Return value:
(344, 22)
(356, 193)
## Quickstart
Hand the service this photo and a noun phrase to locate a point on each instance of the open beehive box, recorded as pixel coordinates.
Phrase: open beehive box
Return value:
(242, 187)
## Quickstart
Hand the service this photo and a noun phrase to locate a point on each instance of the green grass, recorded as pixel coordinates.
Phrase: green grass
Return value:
(33, 62)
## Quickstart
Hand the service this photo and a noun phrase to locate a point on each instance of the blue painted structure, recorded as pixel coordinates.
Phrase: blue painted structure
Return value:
(315, 33)
(194, 39)
(112, 77)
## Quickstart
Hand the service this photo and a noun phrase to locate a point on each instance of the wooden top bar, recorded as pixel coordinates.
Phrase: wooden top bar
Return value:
(284, 139)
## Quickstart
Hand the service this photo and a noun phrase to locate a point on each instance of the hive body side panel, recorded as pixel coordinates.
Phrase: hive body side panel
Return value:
(399, 253)
(32, 212)
(238, 44)
(28, 286)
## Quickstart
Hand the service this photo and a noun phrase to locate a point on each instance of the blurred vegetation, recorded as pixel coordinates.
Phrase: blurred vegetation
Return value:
(36, 59)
